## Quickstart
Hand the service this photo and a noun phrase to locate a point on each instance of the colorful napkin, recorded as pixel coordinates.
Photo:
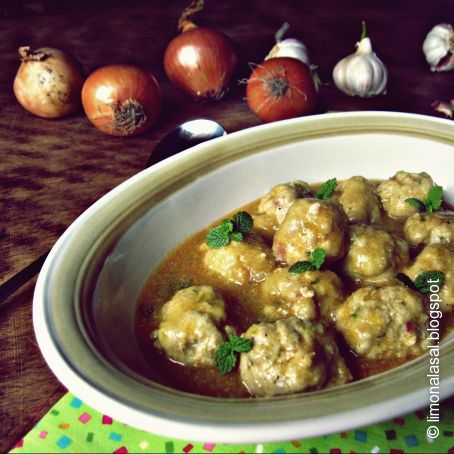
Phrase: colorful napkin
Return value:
(72, 426)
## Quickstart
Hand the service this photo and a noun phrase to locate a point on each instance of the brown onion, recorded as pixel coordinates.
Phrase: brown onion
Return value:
(48, 82)
(121, 100)
(200, 61)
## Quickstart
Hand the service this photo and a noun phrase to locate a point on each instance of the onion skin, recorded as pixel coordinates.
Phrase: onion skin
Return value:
(281, 88)
(201, 62)
(122, 100)
(48, 82)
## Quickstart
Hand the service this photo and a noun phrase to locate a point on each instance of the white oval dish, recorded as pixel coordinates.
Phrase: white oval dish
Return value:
(86, 292)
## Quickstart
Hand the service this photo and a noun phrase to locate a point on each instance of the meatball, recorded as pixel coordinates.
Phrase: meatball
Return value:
(402, 186)
(374, 255)
(311, 224)
(291, 355)
(383, 323)
(188, 331)
(433, 228)
(437, 257)
(310, 295)
(359, 199)
(274, 205)
(241, 261)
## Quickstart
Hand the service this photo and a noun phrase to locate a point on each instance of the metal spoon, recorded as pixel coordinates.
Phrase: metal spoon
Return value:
(185, 136)
(179, 139)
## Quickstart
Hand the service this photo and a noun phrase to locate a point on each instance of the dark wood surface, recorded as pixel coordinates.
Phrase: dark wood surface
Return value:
(51, 171)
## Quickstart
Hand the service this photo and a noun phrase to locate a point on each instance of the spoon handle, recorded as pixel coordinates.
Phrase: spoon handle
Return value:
(21, 278)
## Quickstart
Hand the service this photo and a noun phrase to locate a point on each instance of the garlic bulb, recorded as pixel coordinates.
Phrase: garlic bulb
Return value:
(444, 107)
(289, 47)
(438, 47)
(362, 73)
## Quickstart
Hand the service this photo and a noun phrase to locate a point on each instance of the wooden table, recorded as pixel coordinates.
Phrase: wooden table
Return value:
(51, 171)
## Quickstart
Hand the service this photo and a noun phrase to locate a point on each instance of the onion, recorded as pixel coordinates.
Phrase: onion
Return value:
(121, 100)
(281, 88)
(200, 61)
(48, 82)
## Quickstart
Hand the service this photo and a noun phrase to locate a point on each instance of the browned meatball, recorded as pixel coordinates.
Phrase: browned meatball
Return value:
(387, 322)
(374, 255)
(274, 205)
(311, 224)
(313, 295)
(437, 257)
(433, 228)
(359, 199)
(241, 261)
(402, 186)
(291, 355)
(188, 331)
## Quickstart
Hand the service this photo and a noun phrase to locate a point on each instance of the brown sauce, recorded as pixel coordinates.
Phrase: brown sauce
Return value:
(183, 267)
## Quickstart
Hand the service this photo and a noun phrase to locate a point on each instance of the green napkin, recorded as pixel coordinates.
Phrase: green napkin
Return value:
(72, 426)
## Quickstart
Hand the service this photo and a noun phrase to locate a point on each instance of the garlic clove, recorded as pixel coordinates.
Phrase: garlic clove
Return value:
(438, 48)
(290, 47)
(361, 74)
(444, 107)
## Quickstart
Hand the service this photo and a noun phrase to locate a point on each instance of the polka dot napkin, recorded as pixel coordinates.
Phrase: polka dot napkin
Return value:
(72, 426)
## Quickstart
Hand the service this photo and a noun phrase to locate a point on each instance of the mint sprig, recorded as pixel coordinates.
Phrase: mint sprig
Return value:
(226, 355)
(325, 191)
(423, 281)
(434, 199)
(317, 259)
(431, 203)
(426, 279)
(230, 230)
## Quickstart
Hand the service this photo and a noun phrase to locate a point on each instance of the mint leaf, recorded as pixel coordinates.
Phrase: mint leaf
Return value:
(239, 344)
(230, 230)
(434, 199)
(405, 280)
(431, 203)
(236, 236)
(217, 237)
(415, 203)
(243, 222)
(325, 191)
(301, 267)
(227, 224)
(318, 257)
(224, 358)
(422, 280)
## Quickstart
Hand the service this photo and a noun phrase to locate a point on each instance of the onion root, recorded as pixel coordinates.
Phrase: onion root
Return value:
(129, 116)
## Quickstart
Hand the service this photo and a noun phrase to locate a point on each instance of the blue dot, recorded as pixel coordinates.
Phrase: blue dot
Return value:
(411, 441)
(361, 436)
(76, 403)
(115, 436)
(279, 451)
(64, 442)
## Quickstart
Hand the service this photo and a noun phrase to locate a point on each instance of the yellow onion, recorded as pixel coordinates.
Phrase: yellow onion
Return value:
(121, 100)
(200, 61)
(49, 82)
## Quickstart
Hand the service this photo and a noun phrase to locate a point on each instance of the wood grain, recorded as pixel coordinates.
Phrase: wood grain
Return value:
(51, 171)
(27, 387)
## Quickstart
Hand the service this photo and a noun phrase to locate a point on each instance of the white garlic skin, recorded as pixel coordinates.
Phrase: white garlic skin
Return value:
(438, 44)
(290, 47)
(362, 73)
